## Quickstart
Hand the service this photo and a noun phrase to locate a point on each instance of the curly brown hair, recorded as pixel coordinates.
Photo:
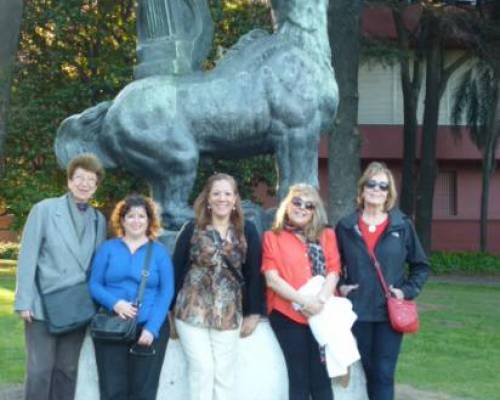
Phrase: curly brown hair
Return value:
(204, 216)
(136, 200)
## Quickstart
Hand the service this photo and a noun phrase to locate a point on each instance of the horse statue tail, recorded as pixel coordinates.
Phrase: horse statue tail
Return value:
(79, 133)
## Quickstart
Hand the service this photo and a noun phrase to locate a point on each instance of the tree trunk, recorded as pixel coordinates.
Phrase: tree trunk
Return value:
(411, 89)
(10, 22)
(428, 166)
(487, 170)
(489, 161)
(344, 144)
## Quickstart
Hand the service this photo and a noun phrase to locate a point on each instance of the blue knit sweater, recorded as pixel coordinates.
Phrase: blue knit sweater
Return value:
(116, 275)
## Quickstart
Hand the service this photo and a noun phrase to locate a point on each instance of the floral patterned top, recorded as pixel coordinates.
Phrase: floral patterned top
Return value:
(211, 296)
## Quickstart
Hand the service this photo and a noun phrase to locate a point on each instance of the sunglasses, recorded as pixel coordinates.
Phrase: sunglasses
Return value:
(299, 203)
(372, 184)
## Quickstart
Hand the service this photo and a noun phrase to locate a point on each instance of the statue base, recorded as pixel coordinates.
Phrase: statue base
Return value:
(260, 372)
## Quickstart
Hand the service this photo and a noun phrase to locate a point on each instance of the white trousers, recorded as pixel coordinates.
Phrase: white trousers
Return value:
(211, 357)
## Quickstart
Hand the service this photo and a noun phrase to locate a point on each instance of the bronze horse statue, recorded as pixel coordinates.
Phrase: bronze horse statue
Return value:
(270, 94)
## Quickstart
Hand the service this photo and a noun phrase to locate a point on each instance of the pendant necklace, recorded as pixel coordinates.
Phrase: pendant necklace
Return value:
(372, 228)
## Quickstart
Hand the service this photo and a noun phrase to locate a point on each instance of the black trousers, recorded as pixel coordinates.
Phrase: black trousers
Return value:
(51, 362)
(128, 376)
(379, 346)
(307, 375)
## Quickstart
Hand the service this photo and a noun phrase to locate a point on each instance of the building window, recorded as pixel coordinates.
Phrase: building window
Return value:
(445, 194)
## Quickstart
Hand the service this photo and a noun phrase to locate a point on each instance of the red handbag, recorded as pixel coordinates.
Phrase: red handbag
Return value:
(403, 314)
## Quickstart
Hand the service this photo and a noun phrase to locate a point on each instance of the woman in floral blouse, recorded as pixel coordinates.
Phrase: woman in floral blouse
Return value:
(219, 286)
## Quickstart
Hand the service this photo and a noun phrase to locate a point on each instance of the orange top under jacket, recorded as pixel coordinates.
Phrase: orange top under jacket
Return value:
(287, 254)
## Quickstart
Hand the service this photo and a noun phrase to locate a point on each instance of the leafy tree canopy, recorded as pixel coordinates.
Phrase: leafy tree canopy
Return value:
(74, 54)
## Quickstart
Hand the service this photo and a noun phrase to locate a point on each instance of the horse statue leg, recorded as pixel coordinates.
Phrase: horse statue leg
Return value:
(297, 156)
(176, 176)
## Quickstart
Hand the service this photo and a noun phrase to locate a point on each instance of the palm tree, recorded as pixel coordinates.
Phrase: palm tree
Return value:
(477, 97)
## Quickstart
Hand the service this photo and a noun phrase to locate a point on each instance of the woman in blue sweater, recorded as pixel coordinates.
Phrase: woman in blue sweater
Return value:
(132, 371)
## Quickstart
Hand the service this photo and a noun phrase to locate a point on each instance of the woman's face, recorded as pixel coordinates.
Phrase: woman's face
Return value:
(135, 222)
(300, 210)
(221, 199)
(376, 190)
(82, 185)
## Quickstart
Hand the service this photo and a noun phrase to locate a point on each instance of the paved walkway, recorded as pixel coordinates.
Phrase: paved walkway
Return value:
(403, 392)
(486, 280)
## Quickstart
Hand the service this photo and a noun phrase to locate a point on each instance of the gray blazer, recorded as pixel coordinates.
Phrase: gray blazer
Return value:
(51, 249)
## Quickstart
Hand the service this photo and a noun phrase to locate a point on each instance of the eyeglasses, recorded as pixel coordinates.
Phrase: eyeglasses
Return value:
(299, 203)
(79, 179)
(372, 184)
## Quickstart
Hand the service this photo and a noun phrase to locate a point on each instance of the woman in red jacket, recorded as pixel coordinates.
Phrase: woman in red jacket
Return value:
(298, 247)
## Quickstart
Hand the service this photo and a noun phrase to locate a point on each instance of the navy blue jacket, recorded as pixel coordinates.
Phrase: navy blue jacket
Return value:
(404, 263)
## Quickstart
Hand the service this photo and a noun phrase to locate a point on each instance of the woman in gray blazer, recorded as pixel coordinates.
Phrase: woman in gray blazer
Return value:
(59, 239)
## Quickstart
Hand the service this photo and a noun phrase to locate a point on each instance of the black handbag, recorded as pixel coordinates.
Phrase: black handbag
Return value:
(107, 325)
(68, 309)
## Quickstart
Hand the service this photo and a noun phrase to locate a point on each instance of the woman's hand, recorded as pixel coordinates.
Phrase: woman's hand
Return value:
(146, 338)
(397, 293)
(346, 289)
(125, 310)
(312, 306)
(249, 324)
(26, 315)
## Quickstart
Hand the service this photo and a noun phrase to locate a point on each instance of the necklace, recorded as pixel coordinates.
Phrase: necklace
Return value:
(372, 225)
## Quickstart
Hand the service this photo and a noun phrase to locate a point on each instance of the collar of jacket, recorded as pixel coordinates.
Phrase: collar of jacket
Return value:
(396, 220)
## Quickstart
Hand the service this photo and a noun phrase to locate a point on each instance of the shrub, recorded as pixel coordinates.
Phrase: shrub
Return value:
(9, 250)
(464, 262)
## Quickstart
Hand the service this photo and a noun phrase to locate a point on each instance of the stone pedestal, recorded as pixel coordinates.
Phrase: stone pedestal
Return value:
(260, 372)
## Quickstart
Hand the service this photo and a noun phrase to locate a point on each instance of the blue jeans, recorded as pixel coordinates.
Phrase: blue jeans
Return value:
(379, 346)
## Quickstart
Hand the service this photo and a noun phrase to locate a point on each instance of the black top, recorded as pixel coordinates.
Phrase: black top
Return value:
(254, 288)
(397, 248)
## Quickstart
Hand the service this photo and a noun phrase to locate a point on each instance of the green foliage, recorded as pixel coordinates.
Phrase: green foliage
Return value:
(464, 262)
(74, 54)
(9, 250)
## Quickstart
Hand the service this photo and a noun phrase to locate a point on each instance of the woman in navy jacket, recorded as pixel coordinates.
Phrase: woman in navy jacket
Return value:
(377, 226)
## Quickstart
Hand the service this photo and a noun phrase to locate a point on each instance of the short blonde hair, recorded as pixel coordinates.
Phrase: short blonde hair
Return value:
(318, 221)
(375, 168)
(136, 200)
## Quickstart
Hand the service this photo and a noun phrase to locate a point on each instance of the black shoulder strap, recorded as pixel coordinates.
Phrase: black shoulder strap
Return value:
(145, 273)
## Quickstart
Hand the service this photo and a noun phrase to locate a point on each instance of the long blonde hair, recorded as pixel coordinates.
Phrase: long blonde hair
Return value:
(318, 221)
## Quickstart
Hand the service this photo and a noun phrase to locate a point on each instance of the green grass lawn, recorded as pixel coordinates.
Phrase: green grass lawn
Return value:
(11, 328)
(457, 350)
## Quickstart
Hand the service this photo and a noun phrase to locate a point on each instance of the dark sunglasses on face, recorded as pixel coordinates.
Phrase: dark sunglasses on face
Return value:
(372, 184)
(299, 203)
